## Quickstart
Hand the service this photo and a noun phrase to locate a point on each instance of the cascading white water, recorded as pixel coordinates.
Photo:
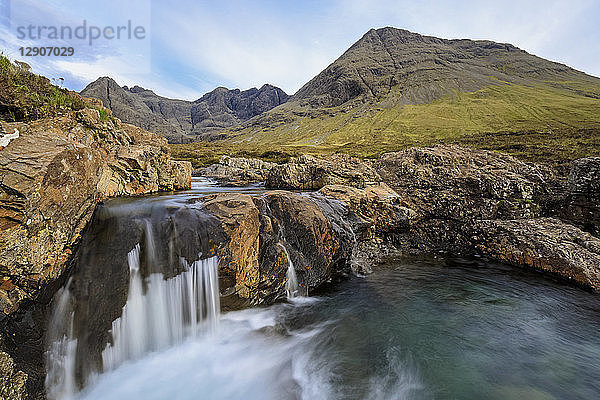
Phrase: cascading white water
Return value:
(169, 310)
(60, 357)
(291, 283)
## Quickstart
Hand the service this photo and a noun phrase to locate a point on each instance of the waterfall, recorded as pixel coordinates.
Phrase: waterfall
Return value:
(158, 313)
(60, 358)
(169, 310)
(291, 283)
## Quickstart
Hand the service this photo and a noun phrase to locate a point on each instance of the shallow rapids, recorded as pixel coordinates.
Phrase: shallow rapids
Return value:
(413, 330)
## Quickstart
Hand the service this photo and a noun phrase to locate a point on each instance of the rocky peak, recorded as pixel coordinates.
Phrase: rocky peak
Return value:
(409, 68)
(224, 107)
(175, 119)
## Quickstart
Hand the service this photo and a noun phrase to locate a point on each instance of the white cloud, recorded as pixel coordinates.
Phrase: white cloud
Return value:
(197, 46)
(265, 54)
(124, 72)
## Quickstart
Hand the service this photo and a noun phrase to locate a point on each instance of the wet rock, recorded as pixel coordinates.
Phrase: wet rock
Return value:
(312, 173)
(318, 246)
(543, 244)
(238, 171)
(52, 176)
(378, 218)
(260, 230)
(582, 203)
(12, 382)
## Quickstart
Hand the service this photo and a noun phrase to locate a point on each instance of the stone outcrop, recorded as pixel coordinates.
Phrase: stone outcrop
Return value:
(312, 173)
(543, 244)
(455, 183)
(238, 171)
(378, 219)
(53, 173)
(449, 187)
(443, 198)
(582, 202)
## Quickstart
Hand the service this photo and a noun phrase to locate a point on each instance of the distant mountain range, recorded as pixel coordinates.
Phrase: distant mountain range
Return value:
(391, 89)
(179, 120)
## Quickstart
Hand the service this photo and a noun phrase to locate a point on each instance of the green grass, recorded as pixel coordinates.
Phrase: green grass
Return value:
(25, 96)
(103, 115)
(203, 154)
(553, 122)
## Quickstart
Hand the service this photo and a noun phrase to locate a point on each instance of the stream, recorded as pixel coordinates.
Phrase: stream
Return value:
(434, 327)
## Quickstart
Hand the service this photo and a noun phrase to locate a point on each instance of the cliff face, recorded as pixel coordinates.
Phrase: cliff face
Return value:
(180, 120)
(53, 173)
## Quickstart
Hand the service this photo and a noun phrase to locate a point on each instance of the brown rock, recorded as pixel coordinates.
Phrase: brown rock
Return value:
(253, 263)
(312, 173)
(52, 177)
(543, 244)
(53, 173)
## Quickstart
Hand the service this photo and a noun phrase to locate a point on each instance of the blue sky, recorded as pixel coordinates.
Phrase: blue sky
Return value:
(192, 46)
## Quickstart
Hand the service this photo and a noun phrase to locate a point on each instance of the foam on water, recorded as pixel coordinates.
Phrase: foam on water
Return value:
(251, 356)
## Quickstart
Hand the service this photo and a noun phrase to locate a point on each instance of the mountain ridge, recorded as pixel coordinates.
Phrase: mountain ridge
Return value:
(394, 89)
(181, 120)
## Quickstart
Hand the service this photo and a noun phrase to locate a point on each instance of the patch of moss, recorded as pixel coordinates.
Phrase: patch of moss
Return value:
(103, 115)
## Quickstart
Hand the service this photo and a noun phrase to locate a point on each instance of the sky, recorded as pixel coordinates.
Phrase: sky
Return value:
(189, 47)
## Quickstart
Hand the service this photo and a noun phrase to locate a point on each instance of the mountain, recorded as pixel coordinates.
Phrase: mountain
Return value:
(416, 69)
(181, 120)
(394, 88)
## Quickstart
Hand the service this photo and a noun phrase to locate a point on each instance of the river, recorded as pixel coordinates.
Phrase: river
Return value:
(434, 327)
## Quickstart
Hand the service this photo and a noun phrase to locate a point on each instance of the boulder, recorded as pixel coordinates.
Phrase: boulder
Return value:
(312, 173)
(238, 171)
(543, 244)
(260, 233)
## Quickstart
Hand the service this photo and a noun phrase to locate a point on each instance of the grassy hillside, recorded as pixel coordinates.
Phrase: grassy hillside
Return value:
(538, 123)
(25, 96)
(394, 89)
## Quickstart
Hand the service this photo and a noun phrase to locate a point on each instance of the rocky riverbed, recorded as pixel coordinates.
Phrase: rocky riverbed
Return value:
(53, 174)
(451, 199)
(352, 214)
